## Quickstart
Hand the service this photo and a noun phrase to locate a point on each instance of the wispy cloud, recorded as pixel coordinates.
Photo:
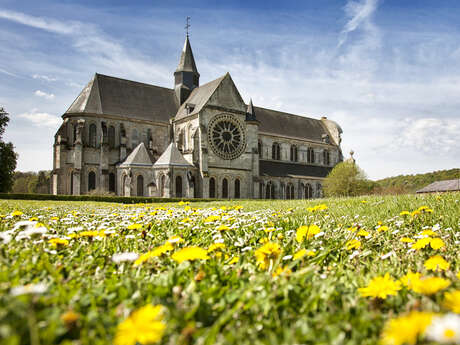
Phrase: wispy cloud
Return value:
(8, 73)
(44, 77)
(44, 94)
(41, 119)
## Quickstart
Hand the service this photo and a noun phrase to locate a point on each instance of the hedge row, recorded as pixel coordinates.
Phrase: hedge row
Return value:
(115, 199)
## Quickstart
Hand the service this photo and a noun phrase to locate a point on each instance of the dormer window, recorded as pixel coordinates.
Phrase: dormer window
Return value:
(325, 138)
(189, 107)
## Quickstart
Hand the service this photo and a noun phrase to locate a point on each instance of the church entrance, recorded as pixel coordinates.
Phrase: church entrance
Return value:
(178, 187)
(140, 185)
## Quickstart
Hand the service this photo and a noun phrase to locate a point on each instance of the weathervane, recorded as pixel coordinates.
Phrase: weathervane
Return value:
(187, 26)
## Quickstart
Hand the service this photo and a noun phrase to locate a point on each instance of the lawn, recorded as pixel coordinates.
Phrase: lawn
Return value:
(331, 271)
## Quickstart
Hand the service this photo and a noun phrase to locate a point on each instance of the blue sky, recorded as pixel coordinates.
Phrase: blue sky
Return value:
(387, 71)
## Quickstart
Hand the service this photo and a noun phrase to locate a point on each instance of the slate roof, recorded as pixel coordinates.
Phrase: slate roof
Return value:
(441, 186)
(120, 97)
(172, 157)
(285, 169)
(285, 124)
(138, 157)
(187, 61)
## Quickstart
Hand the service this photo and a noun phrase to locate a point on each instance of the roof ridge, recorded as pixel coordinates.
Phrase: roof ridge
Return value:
(285, 113)
(132, 81)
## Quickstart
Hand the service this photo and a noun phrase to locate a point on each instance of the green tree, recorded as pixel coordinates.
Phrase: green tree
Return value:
(346, 179)
(8, 157)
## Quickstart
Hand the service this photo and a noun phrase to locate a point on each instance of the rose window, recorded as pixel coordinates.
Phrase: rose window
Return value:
(226, 136)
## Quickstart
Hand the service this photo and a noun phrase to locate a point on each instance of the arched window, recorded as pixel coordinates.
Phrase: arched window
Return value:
(276, 151)
(123, 186)
(178, 187)
(140, 185)
(294, 157)
(224, 188)
(308, 191)
(112, 182)
(134, 138)
(310, 155)
(163, 185)
(112, 137)
(237, 189)
(326, 157)
(290, 191)
(91, 181)
(270, 190)
(212, 187)
(319, 190)
(259, 148)
(71, 183)
(92, 135)
(261, 190)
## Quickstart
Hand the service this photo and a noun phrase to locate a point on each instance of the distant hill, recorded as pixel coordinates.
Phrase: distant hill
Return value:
(411, 183)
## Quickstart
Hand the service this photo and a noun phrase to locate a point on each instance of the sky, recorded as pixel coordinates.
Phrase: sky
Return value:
(388, 71)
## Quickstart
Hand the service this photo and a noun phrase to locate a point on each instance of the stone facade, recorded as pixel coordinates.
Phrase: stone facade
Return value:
(135, 139)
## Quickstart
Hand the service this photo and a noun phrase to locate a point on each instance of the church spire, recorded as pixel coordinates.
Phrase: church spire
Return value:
(186, 76)
(250, 113)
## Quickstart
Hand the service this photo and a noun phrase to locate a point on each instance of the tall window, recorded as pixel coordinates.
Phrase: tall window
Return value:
(259, 148)
(224, 188)
(140, 185)
(310, 155)
(92, 135)
(178, 187)
(308, 191)
(71, 183)
(261, 190)
(290, 191)
(112, 137)
(276, 151)
(294, 157)
(270, 191)
(91, 181)
(326, 157)
(112, 182)
(134, 138)
(212, 187)
(163, 185)
(237, 189)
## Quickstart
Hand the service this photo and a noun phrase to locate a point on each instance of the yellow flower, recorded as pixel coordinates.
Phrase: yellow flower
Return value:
(406, 240)
(404, 213)
(406, 329)
(381, 287)
(352, 229)
(429, 233)
(144, 326)
(436, 262)
(269, 251)
(281, 271)
(421, 243)
(458, 275)
(223, 227)
(33, 219)
(58, 242)
(234, 260)
(415, 213)
(69, 318)
(437, 243)
(353, 244)
(268, 230)
(308, 231)
(215, 246)
(452, 301)
(321, 207)
(158, 251)
(303, 252)
(88, 234)
(16, 214)
(190, 253)
(382, 228)
(186, 220)
(410, 279)
(211, 219)
(135, 226)
(429, 286)
(362, 233)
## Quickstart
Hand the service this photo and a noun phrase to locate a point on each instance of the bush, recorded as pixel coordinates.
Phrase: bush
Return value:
(347, 179)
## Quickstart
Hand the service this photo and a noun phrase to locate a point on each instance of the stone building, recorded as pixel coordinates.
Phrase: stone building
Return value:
(136, 139)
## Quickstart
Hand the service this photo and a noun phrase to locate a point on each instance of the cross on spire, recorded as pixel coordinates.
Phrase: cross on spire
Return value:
(187, 25)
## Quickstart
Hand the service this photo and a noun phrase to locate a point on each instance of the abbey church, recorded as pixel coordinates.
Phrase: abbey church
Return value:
(204, 141)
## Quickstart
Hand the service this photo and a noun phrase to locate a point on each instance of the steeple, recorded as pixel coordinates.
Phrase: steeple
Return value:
(186, 76)
(250, 113)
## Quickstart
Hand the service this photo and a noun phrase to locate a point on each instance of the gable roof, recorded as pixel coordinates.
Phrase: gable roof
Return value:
(172, 157)
(441, 186)
(138, 157)
(125, 98)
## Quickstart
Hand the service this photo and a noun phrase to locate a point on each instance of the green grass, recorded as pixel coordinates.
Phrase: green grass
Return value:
(211, 301)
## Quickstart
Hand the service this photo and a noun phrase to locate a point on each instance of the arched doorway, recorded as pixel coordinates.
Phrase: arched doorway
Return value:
(290, 191)
(91, 181)
(140, 185)
(163, 186)
(237, 188)
(224, 188)
(112, 182)
(178, 186)
(212, 187)
(308, 191)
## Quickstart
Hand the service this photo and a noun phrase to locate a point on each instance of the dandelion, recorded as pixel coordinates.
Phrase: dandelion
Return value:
(306, 231)
(144, 326)
(190, 254)
(223, 227)
(134, 226)
(421, 243)
(69, 318)
(436, 262)
(382, 228)
(268, 252)
(437, 243)
(362, 233)
(406, 240)
(122, 257)
(281, 271)
(58, 242)
(216, 246)
(16, 214)
(406, 329)
(430, 233)
(444, 329)
(404, 213)
(410, 279)
(452, 301)
(429, 286)
(381, 287)
(29, 289)
(353, 244)
(234, 260)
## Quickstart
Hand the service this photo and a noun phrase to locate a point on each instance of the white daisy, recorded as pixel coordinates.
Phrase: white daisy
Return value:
(122, 257)
(445, 329)
(28, 289)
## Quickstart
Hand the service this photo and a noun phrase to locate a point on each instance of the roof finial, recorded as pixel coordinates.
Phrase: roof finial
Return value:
(187, 25)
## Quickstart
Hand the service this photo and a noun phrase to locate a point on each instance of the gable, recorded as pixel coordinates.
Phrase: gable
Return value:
(139, 157)
(227, 95)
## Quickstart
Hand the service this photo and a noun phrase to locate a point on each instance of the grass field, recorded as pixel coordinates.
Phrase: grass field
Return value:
(332, 271)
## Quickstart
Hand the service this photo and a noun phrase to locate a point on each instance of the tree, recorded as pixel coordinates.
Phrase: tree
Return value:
(346, 179)
(8, 157)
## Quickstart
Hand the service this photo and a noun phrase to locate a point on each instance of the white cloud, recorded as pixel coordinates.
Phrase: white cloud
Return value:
(44, 77)
(44, 94)
(7, 73)
(41, 119)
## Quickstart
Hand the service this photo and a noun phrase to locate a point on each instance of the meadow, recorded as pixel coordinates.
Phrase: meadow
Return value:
(362, 270)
